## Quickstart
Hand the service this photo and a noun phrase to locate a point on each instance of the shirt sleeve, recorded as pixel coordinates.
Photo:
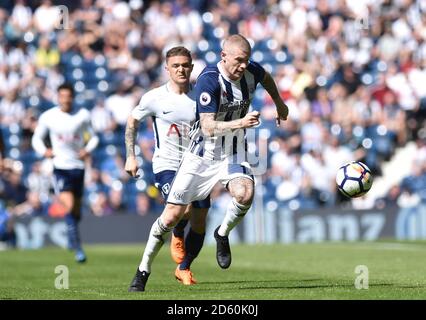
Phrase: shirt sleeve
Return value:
(39, 134)
(144, 108)
(257, 70)
(207, 93)
(94, 139)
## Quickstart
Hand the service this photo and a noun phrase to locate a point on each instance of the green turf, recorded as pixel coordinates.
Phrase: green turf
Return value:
(300, 271)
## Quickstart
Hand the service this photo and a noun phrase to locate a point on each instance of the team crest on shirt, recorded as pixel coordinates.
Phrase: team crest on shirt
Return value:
(166, 188)
(205, 98)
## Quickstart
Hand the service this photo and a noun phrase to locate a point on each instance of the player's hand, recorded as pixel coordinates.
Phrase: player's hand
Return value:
(82, 154)
(282, 113)
(251, 119)
(131, 166)
(49, 153)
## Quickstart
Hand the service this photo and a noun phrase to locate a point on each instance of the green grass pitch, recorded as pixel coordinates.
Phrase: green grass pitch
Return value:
(396, 270)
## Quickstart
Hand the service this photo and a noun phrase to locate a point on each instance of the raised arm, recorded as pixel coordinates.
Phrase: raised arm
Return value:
(269, 84)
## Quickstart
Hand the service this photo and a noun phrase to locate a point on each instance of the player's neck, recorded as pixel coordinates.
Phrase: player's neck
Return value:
(178, 89)
(65, 109)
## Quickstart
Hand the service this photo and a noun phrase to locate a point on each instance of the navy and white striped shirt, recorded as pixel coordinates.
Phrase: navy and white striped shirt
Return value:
(230, 100)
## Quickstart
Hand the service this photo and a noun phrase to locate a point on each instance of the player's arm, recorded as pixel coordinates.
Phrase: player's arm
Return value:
(37, 140)
(131, 165)
(143, 110)
(208, 100)
(93, 141)
(269, 84)
(211, 127)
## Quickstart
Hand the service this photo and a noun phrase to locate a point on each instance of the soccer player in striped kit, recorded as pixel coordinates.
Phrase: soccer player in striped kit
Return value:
(67, 129)
(218, 149)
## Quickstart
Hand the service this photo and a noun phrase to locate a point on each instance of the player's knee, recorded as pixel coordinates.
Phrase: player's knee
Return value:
(172, 214)
(243, 197)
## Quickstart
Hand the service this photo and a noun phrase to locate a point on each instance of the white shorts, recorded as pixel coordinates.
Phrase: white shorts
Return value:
(196, 177)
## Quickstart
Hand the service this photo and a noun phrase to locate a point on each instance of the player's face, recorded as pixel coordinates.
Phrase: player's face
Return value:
(65, 99)
(179, 69)
(235, 62)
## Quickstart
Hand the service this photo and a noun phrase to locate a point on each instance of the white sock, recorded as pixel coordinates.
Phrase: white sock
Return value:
(235, 212)
(157, 236)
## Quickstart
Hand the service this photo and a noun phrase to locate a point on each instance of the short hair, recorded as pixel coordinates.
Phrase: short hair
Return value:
(178, 51)
(66, 86)
(239, 40)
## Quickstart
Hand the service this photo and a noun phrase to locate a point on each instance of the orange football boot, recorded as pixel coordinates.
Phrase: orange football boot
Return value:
(185, 276)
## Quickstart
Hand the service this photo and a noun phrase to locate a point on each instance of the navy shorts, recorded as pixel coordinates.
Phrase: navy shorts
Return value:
(164, 180)
(69, 180)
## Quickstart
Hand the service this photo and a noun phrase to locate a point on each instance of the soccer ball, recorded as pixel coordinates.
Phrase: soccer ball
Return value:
(354, 179)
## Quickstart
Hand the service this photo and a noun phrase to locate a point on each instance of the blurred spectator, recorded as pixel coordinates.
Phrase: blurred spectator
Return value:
(7, 233)
(33, 206)
(46, 56)
(11, 109)
(14, 190)
(46, 17)
(2, 150)
(102, 118)
(143, 205)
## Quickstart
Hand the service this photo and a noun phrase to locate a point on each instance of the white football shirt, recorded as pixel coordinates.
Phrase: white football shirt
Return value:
(172, 115)
(67, 135)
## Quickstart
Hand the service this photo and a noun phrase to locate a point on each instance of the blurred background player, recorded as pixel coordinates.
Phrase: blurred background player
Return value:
(67, 129)
(218, 149)
(172, 108)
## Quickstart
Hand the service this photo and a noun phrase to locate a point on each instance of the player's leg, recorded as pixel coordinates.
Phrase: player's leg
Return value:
(68, 185)
(80, 255)
(163, 181)
(241, 187)
(193, 241)
(242, 192)
(66, 199)
(188, 185)
(159, 231)
(177, 243)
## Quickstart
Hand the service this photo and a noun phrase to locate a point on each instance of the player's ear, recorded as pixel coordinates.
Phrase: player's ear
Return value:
(223, 55)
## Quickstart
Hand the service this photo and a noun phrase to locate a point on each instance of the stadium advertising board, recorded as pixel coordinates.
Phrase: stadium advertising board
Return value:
(280, 226)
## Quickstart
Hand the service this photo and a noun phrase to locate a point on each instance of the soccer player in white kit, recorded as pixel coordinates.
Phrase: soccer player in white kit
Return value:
(66, 129)
(172, 109)
(218, 149)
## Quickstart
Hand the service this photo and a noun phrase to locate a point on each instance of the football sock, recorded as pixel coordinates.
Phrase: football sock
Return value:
(193, 244)
(73, 233)
(157, 236)
(235, 212)
(179, 229)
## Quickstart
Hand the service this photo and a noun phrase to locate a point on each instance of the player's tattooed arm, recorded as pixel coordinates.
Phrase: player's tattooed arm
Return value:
(130, 136)
(211, 127)
(269, 84)
(131, 165)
